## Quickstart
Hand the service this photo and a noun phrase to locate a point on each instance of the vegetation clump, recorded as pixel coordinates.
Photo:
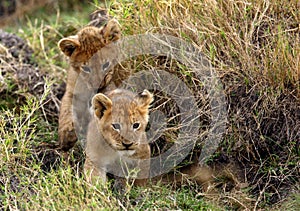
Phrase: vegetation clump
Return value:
(254, 47)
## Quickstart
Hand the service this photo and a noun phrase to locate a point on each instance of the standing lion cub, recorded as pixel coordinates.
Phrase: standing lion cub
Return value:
(81, 50)
(116, 138)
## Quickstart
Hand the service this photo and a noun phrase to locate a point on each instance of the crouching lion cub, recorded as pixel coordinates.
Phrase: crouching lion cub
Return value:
(116, 137)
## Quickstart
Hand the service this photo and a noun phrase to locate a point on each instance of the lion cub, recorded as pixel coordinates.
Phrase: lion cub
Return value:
(80, 49)
(116, 138)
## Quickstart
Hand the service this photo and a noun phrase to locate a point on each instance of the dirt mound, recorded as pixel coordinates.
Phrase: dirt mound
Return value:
(21, 77)
(16, 47)
(263, 136)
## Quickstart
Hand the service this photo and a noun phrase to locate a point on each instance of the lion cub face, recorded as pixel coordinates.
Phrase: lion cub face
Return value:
(122, 117)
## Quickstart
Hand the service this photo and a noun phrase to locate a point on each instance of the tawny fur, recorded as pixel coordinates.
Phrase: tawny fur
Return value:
(110, 149)
(80, 49)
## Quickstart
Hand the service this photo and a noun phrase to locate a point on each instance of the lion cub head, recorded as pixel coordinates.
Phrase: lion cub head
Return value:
(122, 117)
(81, 47)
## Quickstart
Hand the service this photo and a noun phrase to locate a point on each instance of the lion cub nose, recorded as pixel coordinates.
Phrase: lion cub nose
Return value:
(127, 145)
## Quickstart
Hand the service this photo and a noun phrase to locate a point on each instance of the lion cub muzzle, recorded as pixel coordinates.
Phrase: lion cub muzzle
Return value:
(127, 145)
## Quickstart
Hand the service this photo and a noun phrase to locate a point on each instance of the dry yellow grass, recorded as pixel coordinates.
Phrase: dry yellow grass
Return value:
(256, 39)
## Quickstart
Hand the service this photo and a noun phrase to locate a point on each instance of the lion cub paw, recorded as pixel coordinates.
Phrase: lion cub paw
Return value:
(67, 136)
(111, 31)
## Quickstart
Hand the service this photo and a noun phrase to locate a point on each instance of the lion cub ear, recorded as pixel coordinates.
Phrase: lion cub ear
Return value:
(144, 99)
(68, 45)
(101, 103)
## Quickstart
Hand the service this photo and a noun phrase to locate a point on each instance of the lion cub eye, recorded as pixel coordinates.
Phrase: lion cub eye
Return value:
(86, 69)
(136, 126)
(105, 66)
(116, 126)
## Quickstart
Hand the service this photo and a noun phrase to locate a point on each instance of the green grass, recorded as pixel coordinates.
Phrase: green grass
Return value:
(24, 183)
(261, 47)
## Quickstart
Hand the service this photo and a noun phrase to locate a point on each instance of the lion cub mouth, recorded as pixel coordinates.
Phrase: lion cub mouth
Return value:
(126, 152)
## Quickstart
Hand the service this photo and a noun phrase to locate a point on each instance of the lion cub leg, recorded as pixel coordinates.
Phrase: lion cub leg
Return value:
(143, 165)
(137, 171)
(66, 132)
(92, 173)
